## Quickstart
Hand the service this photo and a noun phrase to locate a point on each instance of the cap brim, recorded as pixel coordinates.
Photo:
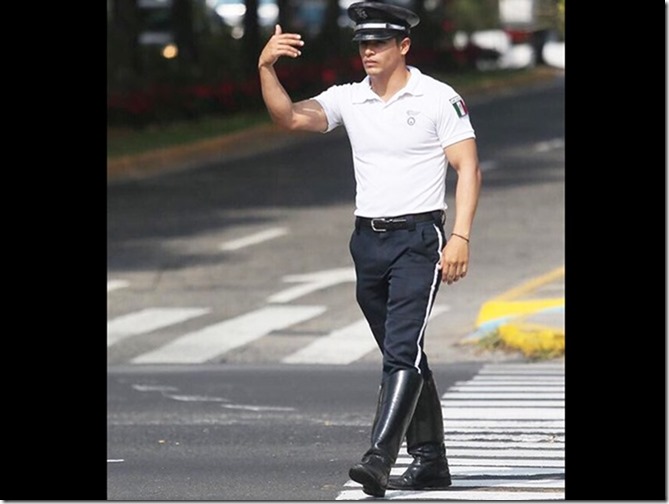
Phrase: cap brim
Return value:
(363, 35)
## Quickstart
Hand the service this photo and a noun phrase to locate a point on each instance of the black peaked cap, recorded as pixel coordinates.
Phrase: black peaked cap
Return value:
(380, 21)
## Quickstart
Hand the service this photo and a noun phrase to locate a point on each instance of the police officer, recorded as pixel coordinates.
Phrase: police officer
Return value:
(405, 129)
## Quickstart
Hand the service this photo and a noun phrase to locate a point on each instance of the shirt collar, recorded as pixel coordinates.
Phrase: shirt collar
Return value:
(363, 91)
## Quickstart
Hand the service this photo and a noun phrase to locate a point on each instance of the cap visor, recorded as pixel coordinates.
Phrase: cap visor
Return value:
(363, 35)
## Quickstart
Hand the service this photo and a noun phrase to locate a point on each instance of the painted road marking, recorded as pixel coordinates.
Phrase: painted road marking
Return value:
(509, 305)
(342, 346)
(460, 495)
(509, 388)
(259, 237)
(491, 402)
(502, 395)
(497, 482)
(497, 450)
(549, 145)
(116, 284)
(148, 320)
(217, 339)
(474, 425)
(311, 282)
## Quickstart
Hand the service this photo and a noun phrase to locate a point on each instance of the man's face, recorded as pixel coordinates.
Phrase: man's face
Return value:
(379, 56)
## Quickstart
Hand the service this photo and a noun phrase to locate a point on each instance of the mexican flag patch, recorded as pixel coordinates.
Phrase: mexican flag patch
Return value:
(459, 106)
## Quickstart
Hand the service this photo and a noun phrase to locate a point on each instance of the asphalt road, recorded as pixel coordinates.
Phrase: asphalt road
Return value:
(240, 432)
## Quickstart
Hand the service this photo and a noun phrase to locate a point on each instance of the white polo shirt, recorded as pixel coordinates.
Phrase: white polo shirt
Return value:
(398, 146)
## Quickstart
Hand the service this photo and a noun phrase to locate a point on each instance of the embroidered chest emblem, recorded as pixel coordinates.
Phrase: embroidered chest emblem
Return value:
(411, 120)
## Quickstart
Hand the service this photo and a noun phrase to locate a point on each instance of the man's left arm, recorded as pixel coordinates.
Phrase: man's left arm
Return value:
(463, 157)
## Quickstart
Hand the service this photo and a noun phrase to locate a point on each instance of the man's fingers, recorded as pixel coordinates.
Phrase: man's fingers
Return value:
(277, 30)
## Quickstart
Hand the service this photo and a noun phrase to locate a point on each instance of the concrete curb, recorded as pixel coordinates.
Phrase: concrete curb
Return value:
(261, 138)
(525, 320)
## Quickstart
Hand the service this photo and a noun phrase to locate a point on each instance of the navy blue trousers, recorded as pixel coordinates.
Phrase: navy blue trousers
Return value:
(396, 286)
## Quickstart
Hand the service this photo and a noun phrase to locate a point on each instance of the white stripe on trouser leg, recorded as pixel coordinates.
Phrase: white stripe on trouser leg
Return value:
(430, 301)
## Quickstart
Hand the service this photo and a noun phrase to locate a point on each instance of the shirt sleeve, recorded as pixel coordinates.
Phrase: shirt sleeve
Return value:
(330, 101)
(453, 124)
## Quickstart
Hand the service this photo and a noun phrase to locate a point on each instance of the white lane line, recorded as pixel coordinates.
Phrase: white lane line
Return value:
(502, 395)
(457, 495)
(506, 462)
(504, 403)
(311, 282)
(342, 346)
(551, 380)
(537, 413)
(254, 239)
(549, 145)
(451, 444)
(148, 320)
(510, 438)
(530, 372)
(213, 341)
(486, 482)
(115, 460)
(254, 407)
(497, 453)
(504, 426)
(510, 388)
(116, 284)
(524, 366)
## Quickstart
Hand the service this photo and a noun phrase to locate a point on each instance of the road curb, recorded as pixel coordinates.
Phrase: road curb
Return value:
(200, 152)
(524, 320)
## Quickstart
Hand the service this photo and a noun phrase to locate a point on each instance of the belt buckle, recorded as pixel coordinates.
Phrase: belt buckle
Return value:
(374, 221)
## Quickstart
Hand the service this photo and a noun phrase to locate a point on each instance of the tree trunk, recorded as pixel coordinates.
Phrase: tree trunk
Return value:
(250, 41)
(183, 29)
(125, 23)
(284, 15)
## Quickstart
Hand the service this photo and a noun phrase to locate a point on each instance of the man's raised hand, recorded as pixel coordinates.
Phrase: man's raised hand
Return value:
(280, 44)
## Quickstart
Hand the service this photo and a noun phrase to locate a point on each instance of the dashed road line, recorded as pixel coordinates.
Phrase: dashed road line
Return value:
(253, 239)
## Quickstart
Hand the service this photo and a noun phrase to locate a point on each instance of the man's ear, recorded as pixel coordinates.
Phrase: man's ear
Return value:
(405, 44)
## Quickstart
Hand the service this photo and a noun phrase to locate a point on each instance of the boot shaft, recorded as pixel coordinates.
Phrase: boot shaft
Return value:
(427, 423)
(397, 402)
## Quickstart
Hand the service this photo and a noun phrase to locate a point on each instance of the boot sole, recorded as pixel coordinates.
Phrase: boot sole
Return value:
(370, 485)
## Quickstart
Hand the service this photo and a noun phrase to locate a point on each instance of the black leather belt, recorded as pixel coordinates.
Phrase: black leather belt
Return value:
(383, 224)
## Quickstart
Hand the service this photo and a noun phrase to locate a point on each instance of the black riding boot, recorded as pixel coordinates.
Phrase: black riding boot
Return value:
(425, 443)
(397, 401)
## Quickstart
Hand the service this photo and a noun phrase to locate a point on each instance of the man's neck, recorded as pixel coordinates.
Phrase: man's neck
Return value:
(385, 86)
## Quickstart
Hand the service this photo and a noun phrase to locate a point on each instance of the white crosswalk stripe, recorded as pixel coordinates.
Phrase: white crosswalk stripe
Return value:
(498, 448)
(217, 339)
(148, 320)
(113, 285)
(342, 346)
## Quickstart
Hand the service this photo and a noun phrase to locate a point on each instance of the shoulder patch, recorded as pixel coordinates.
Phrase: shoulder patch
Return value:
(459, 106)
